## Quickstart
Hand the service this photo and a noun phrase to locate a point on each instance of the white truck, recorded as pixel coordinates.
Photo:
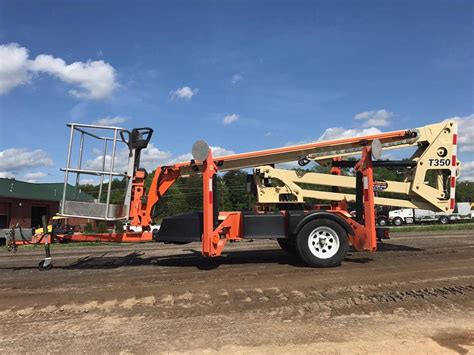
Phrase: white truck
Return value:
(127, 226)
(413, 215)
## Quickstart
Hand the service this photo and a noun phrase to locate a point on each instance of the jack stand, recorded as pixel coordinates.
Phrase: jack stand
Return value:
(46, 264)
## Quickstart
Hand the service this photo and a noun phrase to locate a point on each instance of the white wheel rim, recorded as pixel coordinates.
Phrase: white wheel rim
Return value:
(323, 242)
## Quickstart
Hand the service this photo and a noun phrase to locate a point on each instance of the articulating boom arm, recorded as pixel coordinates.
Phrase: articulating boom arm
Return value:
(436, 153)
(430, 175)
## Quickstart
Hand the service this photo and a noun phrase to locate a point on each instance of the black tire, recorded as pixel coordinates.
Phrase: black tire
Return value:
(41, 266)
(288, 245)
(317, 232)
(382, 221)
(444, 220)
(397, 221)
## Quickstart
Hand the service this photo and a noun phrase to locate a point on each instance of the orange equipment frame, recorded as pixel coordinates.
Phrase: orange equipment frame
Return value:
(229, 225)
(165, 176)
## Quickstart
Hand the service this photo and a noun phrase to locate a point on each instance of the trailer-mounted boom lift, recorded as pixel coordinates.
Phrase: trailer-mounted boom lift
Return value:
(320, 237)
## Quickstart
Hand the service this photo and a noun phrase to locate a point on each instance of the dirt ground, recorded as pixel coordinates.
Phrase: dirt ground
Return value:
(415, 295)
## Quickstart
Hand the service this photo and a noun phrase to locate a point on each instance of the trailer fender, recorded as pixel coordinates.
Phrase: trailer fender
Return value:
(293, 230)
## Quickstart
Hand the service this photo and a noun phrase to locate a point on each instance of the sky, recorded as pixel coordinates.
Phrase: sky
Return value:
(242, 75)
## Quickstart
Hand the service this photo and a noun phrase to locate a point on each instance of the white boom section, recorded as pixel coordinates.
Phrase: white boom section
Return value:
(435, 155)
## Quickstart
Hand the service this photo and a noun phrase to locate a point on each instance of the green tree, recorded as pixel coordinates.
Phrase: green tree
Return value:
(191, 187)
(172, 203)
(465, 191)
(234, 188)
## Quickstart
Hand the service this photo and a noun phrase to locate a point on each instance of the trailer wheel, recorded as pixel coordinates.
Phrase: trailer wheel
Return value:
(322, 243)
(288, 245)
(444, 220)
(41, 266)
(397, 221)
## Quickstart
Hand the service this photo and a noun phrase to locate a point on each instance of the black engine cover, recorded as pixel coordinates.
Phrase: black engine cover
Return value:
(263, 226)
(182, 228)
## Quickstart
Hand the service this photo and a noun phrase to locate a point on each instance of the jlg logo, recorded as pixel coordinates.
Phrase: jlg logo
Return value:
(440, 162)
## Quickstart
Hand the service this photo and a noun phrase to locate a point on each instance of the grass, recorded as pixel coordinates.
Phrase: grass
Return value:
(433, 227)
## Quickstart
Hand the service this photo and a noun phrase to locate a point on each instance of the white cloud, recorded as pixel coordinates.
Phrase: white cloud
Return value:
(220, 152)
(339, 133)
(268, 134)
(119, 165)
(185, 93)
(13, 67)
(91, 79)
(150, 158)
(467, 171)
(236, 78)
(15, 160)
(376, 118)
(216, 152)
(182, 157)
(6, 175)
(18, 158)
(110, 121)
(34, 177)
(230, 119)
(95, 79)
(465, 132)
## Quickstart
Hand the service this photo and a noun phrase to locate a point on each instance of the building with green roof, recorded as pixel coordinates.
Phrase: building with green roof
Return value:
(25, 202)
